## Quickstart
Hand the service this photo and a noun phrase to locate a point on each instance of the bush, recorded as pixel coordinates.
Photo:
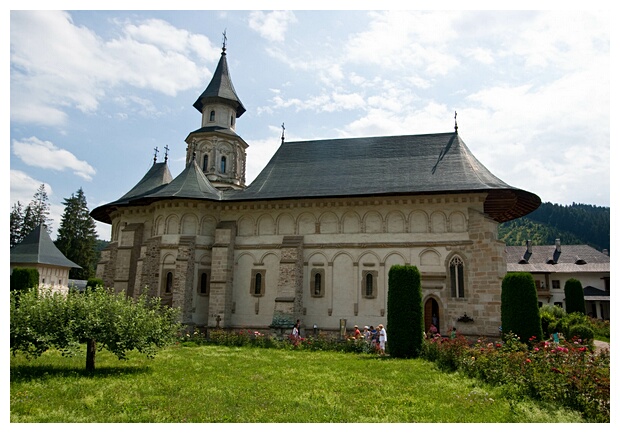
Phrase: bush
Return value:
(600, 328)
(519, 311)
(93, 283)
(573, 291)
(405, 314)
(569, 374)
(23, 279)
(550, 317)
(583, 332)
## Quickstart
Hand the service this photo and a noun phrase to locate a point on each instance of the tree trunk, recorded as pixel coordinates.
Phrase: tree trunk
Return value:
(91, 350)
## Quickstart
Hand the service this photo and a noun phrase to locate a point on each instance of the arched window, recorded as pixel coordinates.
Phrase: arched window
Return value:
(457, 280)
(203, 289)
(369, 285)
(223, 165)
(212, 116)
(232, 120)
(205, 163)
(257, 284)
(317, 284)
(258, 279)
(169, 282)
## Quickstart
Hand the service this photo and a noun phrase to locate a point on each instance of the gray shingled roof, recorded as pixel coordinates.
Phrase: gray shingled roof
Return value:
(191, 183)
(220, 87)
(157, 176)
(219, 129)
(154, 179)
(38, 248)
(594, 294)
(591, 259)
(370, 166)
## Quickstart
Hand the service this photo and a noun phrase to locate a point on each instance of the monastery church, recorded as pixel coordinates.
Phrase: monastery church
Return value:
(315, 234)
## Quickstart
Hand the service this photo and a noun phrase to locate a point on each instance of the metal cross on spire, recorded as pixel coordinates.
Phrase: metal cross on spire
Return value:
(283, 128)
(155, 157)
(456, 127)
(224, 41)
(166, 154)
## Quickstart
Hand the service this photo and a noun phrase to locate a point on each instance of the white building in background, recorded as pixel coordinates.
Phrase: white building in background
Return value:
(38, 251)
(552, 265)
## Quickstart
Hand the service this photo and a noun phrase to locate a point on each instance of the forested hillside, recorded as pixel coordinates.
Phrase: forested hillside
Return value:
(573, 224)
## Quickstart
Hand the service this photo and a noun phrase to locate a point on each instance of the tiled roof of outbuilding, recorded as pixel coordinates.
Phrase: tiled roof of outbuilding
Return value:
(572, 258)
(38, 248)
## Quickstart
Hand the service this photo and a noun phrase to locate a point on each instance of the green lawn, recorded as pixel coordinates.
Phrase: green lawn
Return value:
(250, 385)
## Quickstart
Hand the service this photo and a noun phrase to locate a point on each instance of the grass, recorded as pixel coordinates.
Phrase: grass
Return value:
(216, 384)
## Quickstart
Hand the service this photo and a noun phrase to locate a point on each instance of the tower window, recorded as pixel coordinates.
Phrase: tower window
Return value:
(212, 116)
(205, 163)
(457, 280)
(232, 120)
(223, 165)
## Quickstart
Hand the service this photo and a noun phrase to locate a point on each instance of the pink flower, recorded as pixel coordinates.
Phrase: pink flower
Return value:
(528, 360)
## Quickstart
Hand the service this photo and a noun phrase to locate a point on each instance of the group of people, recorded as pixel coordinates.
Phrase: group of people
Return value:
(376, 337)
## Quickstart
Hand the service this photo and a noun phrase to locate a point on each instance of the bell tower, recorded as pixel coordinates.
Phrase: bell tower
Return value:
(219, 151)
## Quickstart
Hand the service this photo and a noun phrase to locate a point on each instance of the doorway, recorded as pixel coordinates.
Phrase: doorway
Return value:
(431, 315)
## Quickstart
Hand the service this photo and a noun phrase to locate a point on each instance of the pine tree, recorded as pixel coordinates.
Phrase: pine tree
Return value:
(77, 236)
(25, 220)
(37, 212)
(17, 221)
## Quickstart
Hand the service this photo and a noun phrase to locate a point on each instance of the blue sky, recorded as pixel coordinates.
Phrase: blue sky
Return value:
(94, 92)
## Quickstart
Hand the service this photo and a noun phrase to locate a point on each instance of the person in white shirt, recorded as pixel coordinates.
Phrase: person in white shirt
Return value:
(382, 339)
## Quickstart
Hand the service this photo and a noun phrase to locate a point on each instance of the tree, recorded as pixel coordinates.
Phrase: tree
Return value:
(39, 211)
(573, 291)
(77, 236)
(405, 314)
(98, 317)
(519, 311)
(25, 220)
(17, 221)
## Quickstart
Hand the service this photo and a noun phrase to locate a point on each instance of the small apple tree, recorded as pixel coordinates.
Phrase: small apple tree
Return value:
(44, 320)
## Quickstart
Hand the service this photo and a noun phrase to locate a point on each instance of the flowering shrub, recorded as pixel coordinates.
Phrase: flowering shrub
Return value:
(241, 338)
(600, 327)
(257, 339)
(189, 339)
(569, 373)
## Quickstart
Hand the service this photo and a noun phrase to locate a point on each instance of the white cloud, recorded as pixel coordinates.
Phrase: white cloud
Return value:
(56, 65)
(482, 55)
(271, 25)
(44, 154)
(406, 39)
(23, 187)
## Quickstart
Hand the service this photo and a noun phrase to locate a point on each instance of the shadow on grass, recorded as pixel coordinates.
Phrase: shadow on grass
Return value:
(25, 373)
